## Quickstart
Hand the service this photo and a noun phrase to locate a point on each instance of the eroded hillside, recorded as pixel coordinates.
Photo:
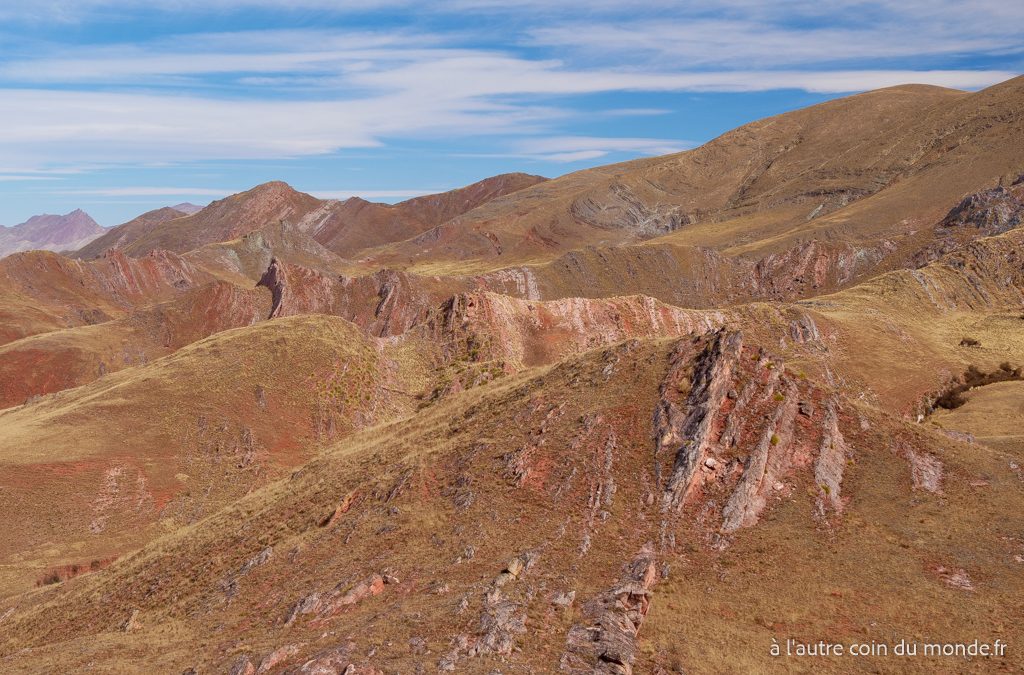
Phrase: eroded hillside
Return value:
(642, 418)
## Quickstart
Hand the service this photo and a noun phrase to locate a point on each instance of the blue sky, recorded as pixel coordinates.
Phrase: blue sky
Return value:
(121, 106)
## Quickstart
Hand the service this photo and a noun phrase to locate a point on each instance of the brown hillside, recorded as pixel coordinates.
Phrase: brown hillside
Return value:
(226, 219)
(645, 418)
(62, 359)
(355, 224)
(852, 169)
(41, 291)
(160, 445)
(535, 524)
(125, 233)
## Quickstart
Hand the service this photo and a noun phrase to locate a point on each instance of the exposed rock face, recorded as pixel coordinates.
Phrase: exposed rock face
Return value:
(115, 277)
(230, 583)
(737, 426)
(605, 641)
(503, 616)
(691, 433)
(831, 462)
(242, 666)
(333, 661)
(804, 329)
(925, 469)
(520, 332)
(67, 293)
(396, 294)
(620, 208)
(277, 657)
(981, 214)
(501, 622)
(326, 605)
(812, 267)
(954, 577)
(991, 212)
(386, 303)
(767, 463)
(275, 279)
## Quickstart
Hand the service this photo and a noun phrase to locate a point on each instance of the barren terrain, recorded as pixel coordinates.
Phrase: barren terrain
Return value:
(644, 418)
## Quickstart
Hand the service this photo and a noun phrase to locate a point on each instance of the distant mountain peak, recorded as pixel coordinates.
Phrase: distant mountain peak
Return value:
(50, 232)
(272, 187)
(188, 208)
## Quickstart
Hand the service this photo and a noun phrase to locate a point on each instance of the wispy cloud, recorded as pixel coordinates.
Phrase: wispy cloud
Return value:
(169, 191)
(580, 148)
(720, 43)
(81, 10)
(300, 92)
(441, 98)
(7, 178)
(374, 194)
(150, 192)
(42, 126)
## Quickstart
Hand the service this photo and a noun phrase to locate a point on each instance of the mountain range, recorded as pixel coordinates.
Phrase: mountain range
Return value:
(647, 417)
(51, 233)
(70, 232)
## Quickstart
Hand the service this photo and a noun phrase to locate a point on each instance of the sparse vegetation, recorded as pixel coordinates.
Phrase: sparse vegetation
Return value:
(515, 442)
(953, 397)
(50, 579)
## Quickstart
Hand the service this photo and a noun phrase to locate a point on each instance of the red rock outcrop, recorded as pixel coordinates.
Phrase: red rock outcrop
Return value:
(61, 293)
(606, 640)
(275, 280)
(487, 326)
(689, 428)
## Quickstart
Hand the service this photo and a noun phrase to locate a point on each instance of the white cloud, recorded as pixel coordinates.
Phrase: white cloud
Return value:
(186, 57)
(735, 43)
(580, 148)
(300, 92)
(573, 156)
(42, 126)
(7, 178)
(79, 10)
(635, 112)
(149, 192)
(166, 191)
(373, 194)
(449, 97)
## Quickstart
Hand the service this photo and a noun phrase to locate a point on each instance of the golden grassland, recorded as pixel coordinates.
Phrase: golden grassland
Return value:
(170, 509)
